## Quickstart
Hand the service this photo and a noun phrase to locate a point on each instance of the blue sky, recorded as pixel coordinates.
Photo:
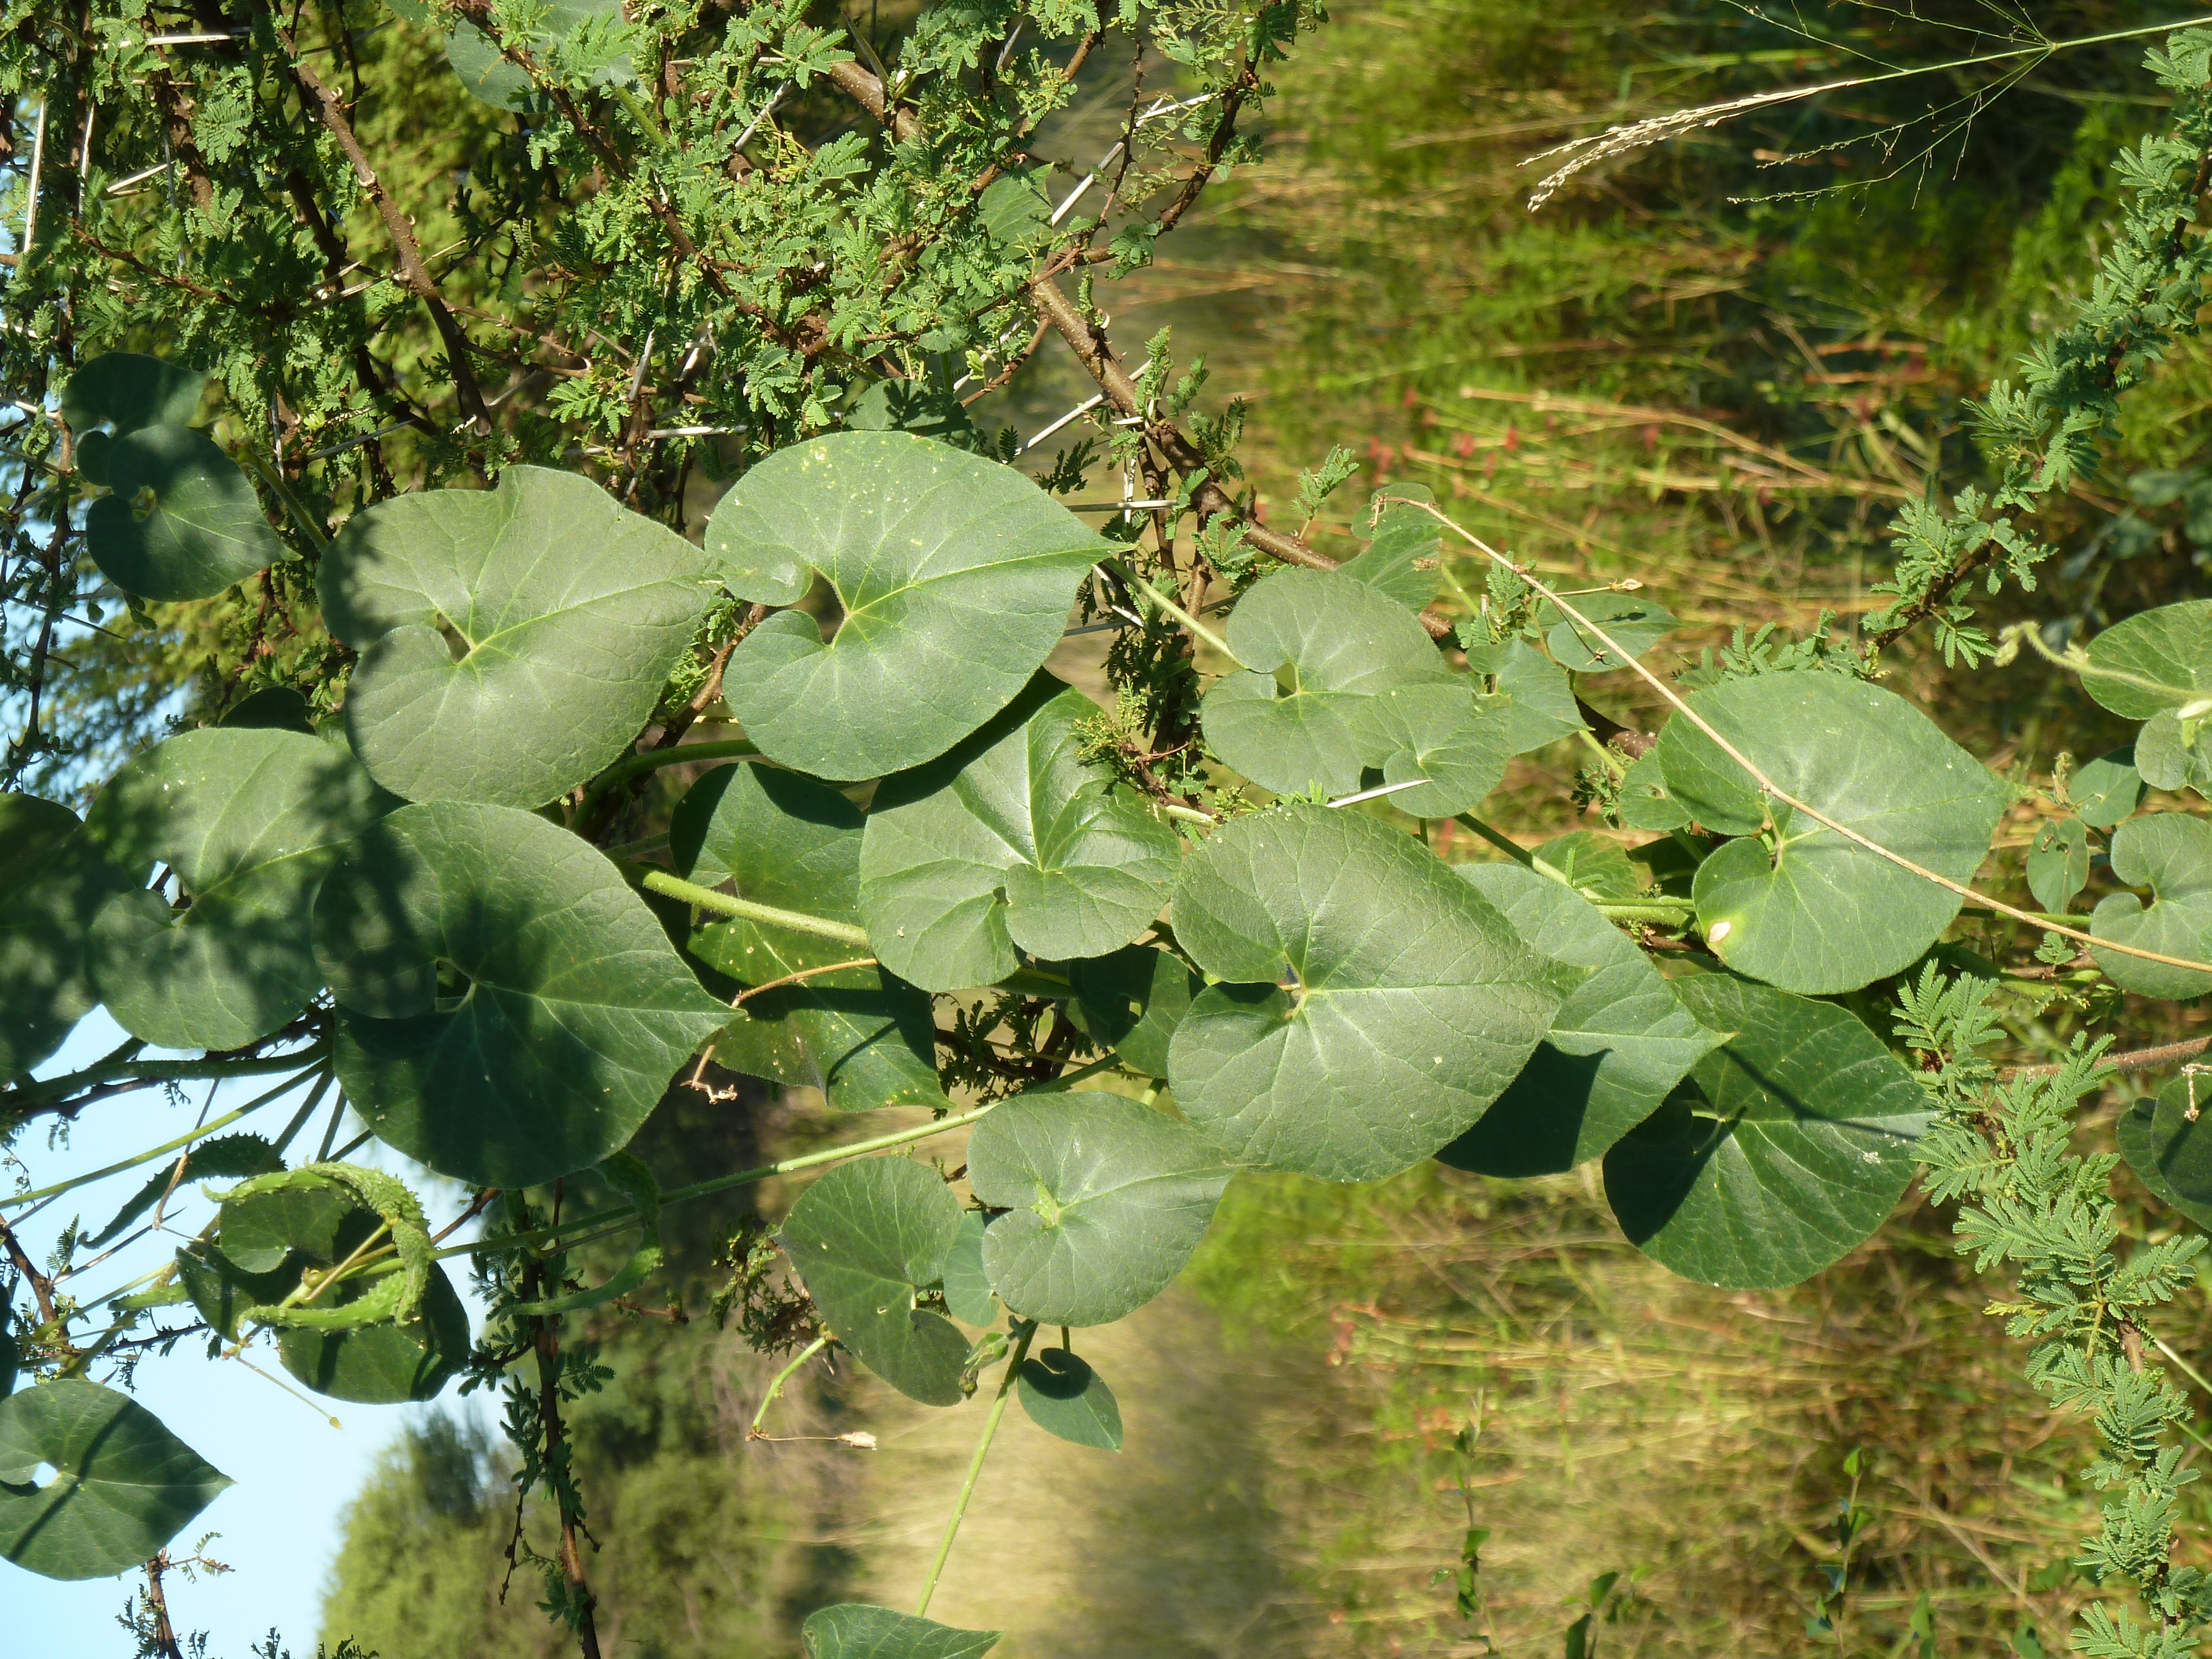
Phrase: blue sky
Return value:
(294, 1471)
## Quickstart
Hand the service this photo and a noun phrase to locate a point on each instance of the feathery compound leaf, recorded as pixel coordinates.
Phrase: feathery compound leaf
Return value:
(1010, 840)
(2170, 853)
(1318, 649)
(1375, 1006)
(956, 573)
(513, 640)
(124, 1485)
(1795, 903)
(1621, 1041)
(182, 523)
(866, 1238)
(1069, 1400)
(1104, 1199)
(1783, 1150)
(509, 1010)
(851, 1630)
(52, 883)
(250, 821)
(861, 1035)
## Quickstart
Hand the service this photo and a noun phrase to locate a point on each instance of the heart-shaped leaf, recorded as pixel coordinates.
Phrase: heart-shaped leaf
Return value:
(1644, 802)
(127, 390)
(509, 1011)
(2058, 862)
(1402, 561)
(1621, 1041)
(2154, 660)
(1631, 621)
(1318, 650)
(1783, 1150)
(860, 1035)
(1798, 905)
(2181, 1139)
(1594, 865)
(1132, 1001)
(2152, 1131)
(1447, 734)
(2170, 750)
(52, 883)
(1013, 839)
(851, 1630)
(182, 522)
(957, 575)
(866, 1238)
(513, 640)
(2170, 853)
(123, 1487)
(1069, 1400)
(250, 821)
(1104, 1201)
(1376, 1003)
(1541, 698)
(2107, 789)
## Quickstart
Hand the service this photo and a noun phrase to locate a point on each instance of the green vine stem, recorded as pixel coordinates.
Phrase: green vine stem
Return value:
(753, 1430)
(659, 881)
(30, 1096)
(975, 1465)
(683, 753)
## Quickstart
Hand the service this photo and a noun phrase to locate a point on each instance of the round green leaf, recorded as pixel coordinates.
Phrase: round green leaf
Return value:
(1619, 1044)
(1011, 839)
(2181, 1140)
(1132, 1001)
(1644, 803)
(250, 821)
(2107, 789)
(968, 1297)
(1444, 733)
(850, 1631)
(1403, 563)
(1783, 1149)
(127, 390)
(2170, 853)
(1540, 705)
(513, 641)
(956, 573)
(1104, 1199)
(182, 523)
(1376, 1003)
(2170, 753)
(124, 1485)
(52, 883)
(866, 1238)
(1798, 905)
(2149, 1132)
(861, 1035)
(1069, 1400)
(1318, 649)
(2058, 862)
(2154, 661)
(1632, 621)
(509, 1011)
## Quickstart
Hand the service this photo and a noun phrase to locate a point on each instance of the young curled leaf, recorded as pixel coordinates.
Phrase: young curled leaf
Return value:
(628, 1176)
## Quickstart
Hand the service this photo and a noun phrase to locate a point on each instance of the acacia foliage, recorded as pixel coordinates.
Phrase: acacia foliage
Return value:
(392, 861)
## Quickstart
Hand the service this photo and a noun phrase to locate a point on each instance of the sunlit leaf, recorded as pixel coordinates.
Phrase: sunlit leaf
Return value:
(866, 1238)
(250, 821)
(1443, 732)
(513, 640)
(1375, 1004)
(1069, 1400)
(1621, 1041)
(1644, 803)
(2107, 789)
(123, 1487)
(1784, 1148)
(1104, 1199)
(509, 1011)
(2171, 854)
(1010, 840)
(1634, 622)
(1541, 699)
(2058, 862)
(850, 1631)
(182, 522)
(956, 575)
(2154, 660)
(1402, 561)
(1796, 903)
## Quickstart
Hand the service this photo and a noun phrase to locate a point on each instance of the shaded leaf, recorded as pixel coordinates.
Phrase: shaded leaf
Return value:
(1010, 840)
(1375, 1004)
(2170, 853)
(182, 523)
(866, 1238)
(1799, 906)
(1594, 865)
(1783, 1150)
(1541, 698)
(509, 1011)
(2170, 753)
(52, 883)
(851, 1630)
(1131, 1001)
(1644, 802)
(493, 78)
(124, 1485)
(513, 640)
(222, 1155)
(1069, 1400)
(2148, 1131)
(1104, 1199)
(957, 575)
(127, 390)
(1621, 1041)
(250, 821)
